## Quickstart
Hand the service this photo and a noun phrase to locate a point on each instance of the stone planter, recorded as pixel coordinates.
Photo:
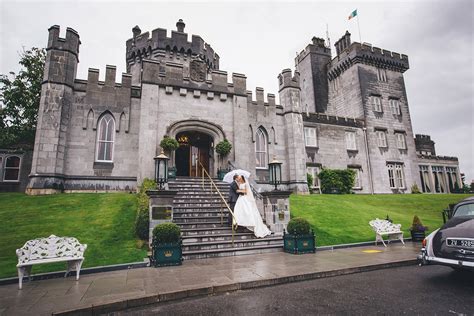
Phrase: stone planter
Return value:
(417, 235)
(299, 244)
(167, 254)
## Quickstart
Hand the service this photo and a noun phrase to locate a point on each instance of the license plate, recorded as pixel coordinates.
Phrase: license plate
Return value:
(464, 243)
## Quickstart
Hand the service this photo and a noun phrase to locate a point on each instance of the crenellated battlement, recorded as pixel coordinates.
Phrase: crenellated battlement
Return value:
(70, 44)
(349, 54)
(159, 45)
(333, 120)
(260, 98)
(93, 80)
(317, 46)
(287, 80)
(171, 75)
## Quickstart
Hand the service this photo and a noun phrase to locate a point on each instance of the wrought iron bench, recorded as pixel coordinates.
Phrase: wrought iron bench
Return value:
(49, 250)
(383, 227)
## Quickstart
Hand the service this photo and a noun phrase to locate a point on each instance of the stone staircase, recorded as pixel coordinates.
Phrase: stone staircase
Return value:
(198, 213)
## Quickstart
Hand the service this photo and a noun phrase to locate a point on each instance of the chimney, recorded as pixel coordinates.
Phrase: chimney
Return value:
(180, 26)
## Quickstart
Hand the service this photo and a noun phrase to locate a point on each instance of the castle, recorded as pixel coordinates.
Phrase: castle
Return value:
(350, 111)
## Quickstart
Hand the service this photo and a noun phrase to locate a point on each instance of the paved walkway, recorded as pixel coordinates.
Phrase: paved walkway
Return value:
(110, 291)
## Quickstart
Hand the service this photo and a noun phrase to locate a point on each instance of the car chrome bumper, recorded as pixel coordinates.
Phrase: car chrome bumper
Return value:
(424, 259)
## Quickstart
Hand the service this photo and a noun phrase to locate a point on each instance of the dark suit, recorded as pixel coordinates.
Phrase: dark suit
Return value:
(233, 196)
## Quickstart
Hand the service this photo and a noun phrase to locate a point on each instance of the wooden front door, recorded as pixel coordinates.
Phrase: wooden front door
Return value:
(196, 155)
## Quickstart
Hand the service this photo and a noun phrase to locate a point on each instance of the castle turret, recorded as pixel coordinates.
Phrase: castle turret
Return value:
(53, 115)
(312, 64)
(289, 90)
(177, 49)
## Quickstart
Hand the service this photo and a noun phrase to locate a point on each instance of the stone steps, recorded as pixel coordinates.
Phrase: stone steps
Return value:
(197, 211)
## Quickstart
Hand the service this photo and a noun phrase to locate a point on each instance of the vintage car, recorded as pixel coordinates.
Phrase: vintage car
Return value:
(453, 243)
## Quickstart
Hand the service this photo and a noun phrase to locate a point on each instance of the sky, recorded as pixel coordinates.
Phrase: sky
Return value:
(259, 39)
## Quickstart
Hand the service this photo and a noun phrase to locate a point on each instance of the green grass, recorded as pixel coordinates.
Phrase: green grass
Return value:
(340, 219)
(105, 222)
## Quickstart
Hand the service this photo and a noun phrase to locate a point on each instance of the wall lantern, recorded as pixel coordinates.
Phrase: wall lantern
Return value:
(275, 172)
(161, 170)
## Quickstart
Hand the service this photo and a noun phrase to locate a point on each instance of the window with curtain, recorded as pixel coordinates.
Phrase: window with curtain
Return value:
(310, 137)
(11, 171)
(350, 141)
(261, 149)
(105, 138)
(381, 138)
(314, 171)
(396, 176)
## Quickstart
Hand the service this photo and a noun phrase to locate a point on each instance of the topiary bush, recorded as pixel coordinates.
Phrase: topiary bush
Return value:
(223, 148)
(142, 221)
(298, 226)
(169, 144)
(166, 233)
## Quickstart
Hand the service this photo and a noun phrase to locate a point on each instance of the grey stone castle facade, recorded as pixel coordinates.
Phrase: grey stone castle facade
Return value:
(350, 111)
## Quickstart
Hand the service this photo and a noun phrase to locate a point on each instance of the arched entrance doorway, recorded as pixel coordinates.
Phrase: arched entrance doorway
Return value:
(194, 146)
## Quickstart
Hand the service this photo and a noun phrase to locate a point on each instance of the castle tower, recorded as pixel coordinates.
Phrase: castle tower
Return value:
(196, 56)
(53, 115)
(289, 90)
(312, 64)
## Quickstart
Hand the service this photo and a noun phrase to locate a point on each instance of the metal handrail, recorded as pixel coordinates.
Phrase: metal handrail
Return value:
(204, 171)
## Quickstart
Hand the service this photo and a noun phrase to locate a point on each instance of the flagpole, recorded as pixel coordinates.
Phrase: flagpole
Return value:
(358, 26)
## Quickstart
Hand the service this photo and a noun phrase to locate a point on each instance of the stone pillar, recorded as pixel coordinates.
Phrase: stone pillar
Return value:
(276, 205)
(160, 208)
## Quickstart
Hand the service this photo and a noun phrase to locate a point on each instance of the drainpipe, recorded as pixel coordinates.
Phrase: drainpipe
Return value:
(364, 129)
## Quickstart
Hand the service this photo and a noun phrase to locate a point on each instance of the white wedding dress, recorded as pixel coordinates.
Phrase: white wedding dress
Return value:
(246, 213)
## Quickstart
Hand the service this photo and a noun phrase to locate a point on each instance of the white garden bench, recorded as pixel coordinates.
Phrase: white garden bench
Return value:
(383, 227)
(49, 250)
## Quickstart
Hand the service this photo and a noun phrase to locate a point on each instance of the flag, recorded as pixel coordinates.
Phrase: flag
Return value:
(353, 14)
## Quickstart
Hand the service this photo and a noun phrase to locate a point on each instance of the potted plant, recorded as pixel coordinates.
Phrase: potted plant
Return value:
(166, 247)
(299, 238)
(169, 145)
(223, 148)
(417, 229)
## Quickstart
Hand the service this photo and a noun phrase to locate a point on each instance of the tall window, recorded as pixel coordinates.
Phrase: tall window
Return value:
(314, 171)
(377, 103)
(401, 141)
(381, 75)
(425, 178)
(395, 106)
(357, 179)
(261, 149)
(351, 141)
(381, 138)
(310, 137)
(11, 171)
(396, 176)
(105, 138)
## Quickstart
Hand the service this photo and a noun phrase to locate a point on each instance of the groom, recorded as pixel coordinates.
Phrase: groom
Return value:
(233, 196)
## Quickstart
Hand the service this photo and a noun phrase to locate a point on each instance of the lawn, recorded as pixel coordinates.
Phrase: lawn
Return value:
(105, 222)
(340, 219)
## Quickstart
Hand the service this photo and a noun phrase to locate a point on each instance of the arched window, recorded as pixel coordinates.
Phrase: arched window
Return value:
(12, 169)
(261, 149)
(105, 138)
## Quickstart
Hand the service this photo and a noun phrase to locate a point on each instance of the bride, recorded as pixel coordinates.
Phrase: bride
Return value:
(246, 212)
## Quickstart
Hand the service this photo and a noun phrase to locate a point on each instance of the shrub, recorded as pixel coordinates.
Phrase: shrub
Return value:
(169, 144)
(166, 233)
(298, 226)
(142, 221)
(415, 189)
(309, 179)
(336, 180)
(417, 225)
(223, 148)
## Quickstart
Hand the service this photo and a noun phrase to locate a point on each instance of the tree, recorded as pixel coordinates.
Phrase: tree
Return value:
(20, 99)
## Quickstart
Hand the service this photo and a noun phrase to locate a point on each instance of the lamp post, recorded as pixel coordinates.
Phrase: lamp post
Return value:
(275, 172)
(161, 170)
